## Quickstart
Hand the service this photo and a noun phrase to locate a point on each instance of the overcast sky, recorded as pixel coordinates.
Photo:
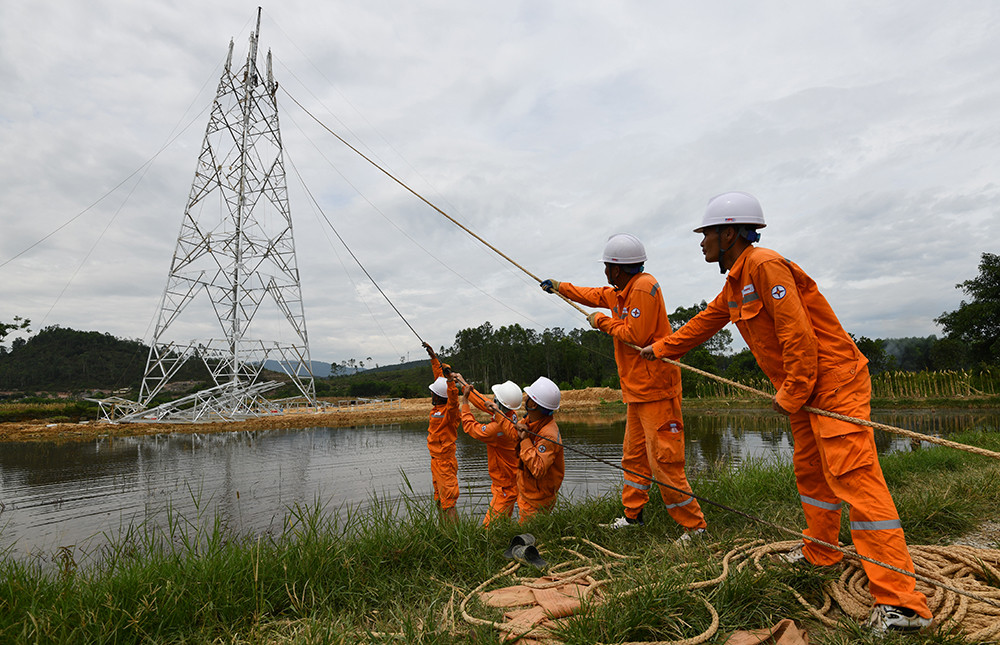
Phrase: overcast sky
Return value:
(869, 132)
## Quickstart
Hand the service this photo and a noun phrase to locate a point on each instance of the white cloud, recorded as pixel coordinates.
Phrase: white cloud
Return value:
(867, 131)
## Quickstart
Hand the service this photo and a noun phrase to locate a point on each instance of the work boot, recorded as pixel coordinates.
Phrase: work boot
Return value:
(887, 618)
(689, 538)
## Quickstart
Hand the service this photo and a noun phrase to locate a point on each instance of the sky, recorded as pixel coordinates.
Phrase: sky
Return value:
(868, 131)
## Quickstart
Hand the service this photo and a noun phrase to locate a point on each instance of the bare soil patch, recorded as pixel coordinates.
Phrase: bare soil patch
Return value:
(577, 406)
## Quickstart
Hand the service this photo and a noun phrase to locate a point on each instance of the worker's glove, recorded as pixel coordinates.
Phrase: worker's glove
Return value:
(592, 319)
(550, 285)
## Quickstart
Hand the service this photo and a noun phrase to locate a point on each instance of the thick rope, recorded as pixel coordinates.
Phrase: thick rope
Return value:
(864, 422)
(861, 422)
(973, 569)
(585, 572)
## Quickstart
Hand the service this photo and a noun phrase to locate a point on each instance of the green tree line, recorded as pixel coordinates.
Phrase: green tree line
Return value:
(67, 360)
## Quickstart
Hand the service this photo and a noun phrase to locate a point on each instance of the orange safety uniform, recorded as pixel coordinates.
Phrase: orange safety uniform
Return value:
(805, 352)
(542, 467)
(501, 455)
(653, 445)
(442, 433)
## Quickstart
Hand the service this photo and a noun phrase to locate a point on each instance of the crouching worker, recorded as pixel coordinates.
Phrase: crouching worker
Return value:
(442, 433)
(542, 467)
(501, 442)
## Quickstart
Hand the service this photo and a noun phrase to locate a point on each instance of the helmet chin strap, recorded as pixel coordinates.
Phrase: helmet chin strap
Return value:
(723, 251)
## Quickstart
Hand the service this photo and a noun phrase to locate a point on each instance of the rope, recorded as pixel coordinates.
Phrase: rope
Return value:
(964, 566)
(713, 376)
(337, 233)
(974, 571)
(849, 553)
(864, 422)
(861, 422)
(424, 199)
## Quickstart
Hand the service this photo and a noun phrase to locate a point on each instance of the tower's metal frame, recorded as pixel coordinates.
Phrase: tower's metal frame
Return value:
(242, 259)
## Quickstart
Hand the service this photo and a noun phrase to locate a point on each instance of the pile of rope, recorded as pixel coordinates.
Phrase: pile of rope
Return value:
(970, 569)
(974, 570)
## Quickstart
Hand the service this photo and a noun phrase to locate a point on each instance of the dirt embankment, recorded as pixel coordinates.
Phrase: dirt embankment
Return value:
(577, 405)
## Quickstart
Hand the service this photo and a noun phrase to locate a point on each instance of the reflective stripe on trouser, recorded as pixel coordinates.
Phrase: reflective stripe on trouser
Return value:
(635, 488)
(837, 461)
(444, 476)
(502, 504)
(663, 434)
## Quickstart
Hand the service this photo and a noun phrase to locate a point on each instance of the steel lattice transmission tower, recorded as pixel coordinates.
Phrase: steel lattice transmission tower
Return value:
(235, 250)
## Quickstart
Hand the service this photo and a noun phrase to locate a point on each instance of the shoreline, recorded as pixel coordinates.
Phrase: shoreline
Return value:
(590, 405)
(577, 406)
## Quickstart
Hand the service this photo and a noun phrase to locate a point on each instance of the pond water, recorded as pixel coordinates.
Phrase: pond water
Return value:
(81, 495)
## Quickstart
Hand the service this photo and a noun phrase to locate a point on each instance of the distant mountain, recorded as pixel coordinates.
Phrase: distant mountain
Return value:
(325, 370)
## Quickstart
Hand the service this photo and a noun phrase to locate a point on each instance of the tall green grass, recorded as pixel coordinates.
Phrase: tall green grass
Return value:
(347, 575)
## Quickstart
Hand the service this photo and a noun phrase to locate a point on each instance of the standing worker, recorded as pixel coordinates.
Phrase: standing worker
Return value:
(799, 343)
(442, 433)
(654, 428)
(501, 442)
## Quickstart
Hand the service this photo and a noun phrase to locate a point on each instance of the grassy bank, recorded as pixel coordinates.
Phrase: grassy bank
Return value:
(344, 577)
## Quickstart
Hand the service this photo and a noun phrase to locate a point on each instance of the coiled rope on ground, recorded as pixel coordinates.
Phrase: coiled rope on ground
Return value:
(975, 570)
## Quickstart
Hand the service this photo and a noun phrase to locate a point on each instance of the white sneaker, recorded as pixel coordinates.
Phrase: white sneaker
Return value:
(897, 619)
(690, 537)
(793, 555)
(622, 522)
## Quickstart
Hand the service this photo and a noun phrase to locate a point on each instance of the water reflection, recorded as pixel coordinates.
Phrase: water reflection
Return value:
(81, 493)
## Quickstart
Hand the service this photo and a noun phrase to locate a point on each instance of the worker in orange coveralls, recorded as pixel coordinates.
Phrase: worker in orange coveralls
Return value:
(442, 433)
(654, 429)
(541, 471)
(802, 348)
(501, 442)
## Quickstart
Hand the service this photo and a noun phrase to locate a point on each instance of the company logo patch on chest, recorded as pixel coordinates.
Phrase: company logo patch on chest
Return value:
(635, 312)
(778, 292)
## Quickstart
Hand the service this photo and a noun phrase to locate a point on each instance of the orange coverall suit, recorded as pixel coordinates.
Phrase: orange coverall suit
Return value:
(542, 467)
(501, 454)
(802, 348)
(654, 428)
(442, 433)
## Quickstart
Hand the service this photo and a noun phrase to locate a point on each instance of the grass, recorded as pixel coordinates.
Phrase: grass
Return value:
(347, 576)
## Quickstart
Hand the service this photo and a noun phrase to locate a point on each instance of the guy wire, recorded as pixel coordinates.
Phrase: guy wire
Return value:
(337, 233)
(424, 199)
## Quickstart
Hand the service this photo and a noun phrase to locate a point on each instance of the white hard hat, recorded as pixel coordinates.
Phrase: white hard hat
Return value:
(439, 387)
(508, 394)
(732, 208)
(544, 392)
(622, 248)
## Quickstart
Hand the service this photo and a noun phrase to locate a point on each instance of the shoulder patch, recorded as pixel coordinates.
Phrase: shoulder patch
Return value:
(778, 292)
(541, 448)
(635, 312)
